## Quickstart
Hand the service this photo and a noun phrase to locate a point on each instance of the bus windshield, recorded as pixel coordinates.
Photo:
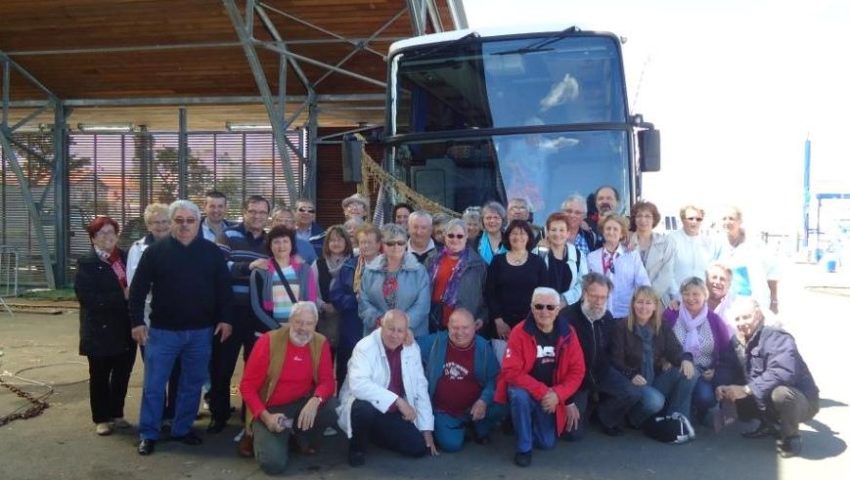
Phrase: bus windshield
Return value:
(542, 167)
(503, 83)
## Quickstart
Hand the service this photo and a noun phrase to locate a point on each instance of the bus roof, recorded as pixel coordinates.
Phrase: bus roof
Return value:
(481, 32)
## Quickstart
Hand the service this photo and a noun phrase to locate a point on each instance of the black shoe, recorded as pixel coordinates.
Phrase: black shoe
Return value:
(482, 440)
(613, 431)
(146, 447)
(188, 439)
(789, 446)
(356, 458)
(522, 459)
(216, 426)
(765, 429)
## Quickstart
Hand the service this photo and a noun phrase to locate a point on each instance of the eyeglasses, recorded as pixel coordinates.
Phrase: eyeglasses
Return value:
(187, 221)
(540, 306)
(453, 236)
(307, 210)
(694, 219)
(398, 243)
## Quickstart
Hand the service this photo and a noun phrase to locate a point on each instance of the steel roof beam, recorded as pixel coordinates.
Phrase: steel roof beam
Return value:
(337, 36)
(264, 17)
(189, 101)
(330, 67)
(28, 76)
(361, 46)
(265, 92)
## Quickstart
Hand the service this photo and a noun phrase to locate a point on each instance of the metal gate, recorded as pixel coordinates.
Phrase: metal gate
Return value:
(120, 174)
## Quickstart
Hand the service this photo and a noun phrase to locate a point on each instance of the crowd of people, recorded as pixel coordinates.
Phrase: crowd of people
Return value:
(414, 336)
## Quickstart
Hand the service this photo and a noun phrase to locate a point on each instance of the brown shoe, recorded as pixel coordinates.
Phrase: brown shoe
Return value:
(246, 446)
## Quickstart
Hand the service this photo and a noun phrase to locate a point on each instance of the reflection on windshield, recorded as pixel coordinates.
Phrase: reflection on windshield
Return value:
(544, 168)
(493, 84)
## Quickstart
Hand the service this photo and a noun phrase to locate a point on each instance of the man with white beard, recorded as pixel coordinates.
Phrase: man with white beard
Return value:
(288, 385)
(593, 322)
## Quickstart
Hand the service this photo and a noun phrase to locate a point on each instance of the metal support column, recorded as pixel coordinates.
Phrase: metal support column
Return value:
(61, 181)
(312, 157)
(275, 118)
(182, 156)
(458, 14)
(417, 16)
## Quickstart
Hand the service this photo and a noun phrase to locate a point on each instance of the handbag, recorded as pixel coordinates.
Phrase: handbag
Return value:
(674, 428)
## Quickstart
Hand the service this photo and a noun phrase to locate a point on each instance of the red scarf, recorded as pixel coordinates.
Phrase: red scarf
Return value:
(114, 261)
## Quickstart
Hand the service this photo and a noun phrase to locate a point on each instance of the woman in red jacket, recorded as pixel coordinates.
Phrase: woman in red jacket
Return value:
(542, 369)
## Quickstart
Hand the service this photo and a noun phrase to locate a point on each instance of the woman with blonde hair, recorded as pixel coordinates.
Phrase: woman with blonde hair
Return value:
(647, 352)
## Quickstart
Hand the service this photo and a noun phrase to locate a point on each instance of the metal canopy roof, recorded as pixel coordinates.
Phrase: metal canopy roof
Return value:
(95, 53)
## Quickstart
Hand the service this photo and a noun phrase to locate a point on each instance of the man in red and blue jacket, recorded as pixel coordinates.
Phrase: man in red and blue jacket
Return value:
(543, 367)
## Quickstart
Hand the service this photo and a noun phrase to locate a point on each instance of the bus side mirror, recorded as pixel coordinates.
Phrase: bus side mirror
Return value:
(649, 148)
(352, 148)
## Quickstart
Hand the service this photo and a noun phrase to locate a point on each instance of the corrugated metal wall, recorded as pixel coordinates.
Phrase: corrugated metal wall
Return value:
(119, 174)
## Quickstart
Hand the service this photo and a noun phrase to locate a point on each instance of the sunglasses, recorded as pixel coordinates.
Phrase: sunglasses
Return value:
(540, 306)
(187, 221)
(306, 210)
(695, 219)
(453, 236)
(399, 243)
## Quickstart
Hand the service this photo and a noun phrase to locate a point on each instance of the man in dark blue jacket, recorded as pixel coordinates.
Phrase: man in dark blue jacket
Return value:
(778, 388)
(190, 304)
(461, 368)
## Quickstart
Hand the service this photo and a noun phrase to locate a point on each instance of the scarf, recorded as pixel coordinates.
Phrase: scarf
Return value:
(692, 324)
(608, 260)
(358, 273)
(114, 261)
(449, 296)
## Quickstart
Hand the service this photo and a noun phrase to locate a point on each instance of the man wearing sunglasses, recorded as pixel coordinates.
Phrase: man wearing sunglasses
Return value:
(306, 226)
(542, 369)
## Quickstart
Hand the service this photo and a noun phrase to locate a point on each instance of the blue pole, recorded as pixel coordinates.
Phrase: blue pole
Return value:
(807, 166)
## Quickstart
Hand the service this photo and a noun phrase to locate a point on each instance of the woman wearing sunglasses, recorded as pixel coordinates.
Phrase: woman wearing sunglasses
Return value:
(694, 248)
(457, 278)
(395, 280)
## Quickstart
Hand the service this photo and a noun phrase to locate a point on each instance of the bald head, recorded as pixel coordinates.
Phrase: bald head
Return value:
(394, 326)
(461, 328)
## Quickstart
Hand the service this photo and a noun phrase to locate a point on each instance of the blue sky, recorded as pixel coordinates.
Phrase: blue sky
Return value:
(735, 87)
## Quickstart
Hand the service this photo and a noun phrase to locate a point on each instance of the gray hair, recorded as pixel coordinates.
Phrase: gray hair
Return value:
(472, 214)
(356, 198)
(745, 304)
(722, 266)
(353, 223)
(596, 278)
(391, 231)
(575, 197)
(455, 223)
(546, 292)
(421, 214)
(693, 282)
(281, 209)
(155, 209)
(183, 205)
(496, 208)
(304, 308)
(441, 219)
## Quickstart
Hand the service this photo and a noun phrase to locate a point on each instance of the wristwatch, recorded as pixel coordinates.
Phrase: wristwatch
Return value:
(748, 390)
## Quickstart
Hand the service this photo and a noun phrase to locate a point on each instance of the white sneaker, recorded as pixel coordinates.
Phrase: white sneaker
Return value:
(330, 432)
(103, 428)
(239, 436)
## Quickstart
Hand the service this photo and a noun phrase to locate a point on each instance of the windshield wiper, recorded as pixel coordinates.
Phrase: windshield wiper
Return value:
(442, 46)
(539, 45)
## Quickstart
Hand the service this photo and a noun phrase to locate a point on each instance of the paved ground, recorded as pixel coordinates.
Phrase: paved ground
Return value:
(61, 443)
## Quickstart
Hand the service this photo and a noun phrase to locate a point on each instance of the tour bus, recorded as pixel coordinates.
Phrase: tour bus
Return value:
(474, 116)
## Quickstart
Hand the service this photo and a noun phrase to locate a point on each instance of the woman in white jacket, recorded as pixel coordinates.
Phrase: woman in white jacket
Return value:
(385, 395)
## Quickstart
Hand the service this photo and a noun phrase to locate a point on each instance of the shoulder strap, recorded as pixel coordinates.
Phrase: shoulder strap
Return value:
(578, 258)
(284, 281)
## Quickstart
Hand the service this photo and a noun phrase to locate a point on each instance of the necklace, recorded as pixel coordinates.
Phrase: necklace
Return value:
(516, 259)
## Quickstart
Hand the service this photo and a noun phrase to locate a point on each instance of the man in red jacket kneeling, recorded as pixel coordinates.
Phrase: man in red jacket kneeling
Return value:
(543, 367)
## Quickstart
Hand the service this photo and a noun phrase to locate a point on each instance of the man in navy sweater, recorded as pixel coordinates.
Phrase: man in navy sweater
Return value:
(191, 295)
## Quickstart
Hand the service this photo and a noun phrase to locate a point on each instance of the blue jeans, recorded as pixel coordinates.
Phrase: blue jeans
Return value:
(703, 396)
(670, 388)
(163, 349)
(617, 397)
(449, 429)
(533, 427)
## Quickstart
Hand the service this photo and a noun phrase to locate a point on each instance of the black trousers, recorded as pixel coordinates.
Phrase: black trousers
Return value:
(224, 358)
(787, 406)
(108, 380)
(388, 430)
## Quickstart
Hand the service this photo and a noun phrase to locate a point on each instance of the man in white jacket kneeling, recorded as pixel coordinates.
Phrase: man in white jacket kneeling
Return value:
(385, 395)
